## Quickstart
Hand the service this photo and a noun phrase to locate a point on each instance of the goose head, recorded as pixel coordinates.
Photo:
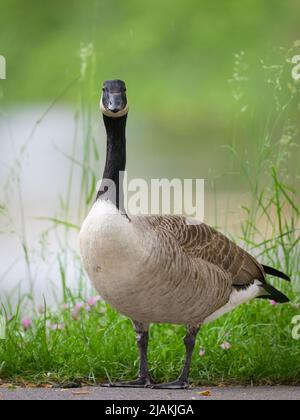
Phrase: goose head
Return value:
(113, 101)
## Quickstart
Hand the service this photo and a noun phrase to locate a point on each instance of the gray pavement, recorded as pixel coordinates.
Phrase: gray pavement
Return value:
(206, 394)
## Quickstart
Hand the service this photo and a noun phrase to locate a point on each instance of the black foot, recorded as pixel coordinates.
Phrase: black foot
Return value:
(179, 384)
(138, 383)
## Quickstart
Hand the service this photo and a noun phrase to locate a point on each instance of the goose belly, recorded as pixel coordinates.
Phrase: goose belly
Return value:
(119, 262)
(160, 296)
(125, 268)
(179, 305)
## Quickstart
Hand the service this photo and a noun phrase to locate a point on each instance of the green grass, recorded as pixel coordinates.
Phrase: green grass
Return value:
(100, 344)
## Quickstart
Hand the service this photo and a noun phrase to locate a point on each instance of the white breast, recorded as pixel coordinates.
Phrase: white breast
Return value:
(108, 248)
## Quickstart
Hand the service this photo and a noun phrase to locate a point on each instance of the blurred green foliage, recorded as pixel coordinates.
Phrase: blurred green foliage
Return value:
(177, 58)
(171, 53)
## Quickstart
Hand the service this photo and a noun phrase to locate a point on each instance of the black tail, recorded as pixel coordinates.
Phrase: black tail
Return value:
(273, 294)
(273, 272)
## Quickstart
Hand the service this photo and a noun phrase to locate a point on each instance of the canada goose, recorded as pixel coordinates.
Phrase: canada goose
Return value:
(161, 269)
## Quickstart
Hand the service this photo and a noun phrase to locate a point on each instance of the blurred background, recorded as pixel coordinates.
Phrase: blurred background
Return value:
(211, 96)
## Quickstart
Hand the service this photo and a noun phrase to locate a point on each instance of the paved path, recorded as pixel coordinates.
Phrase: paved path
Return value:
(97, 393)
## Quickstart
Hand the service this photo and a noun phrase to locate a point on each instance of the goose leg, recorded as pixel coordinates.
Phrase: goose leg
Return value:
(183, 381)
(144, 379)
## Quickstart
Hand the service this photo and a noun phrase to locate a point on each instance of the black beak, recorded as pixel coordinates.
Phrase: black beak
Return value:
(114, 100)
(115, 103)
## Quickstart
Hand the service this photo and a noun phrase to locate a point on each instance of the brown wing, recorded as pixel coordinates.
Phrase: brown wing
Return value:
(203, 242)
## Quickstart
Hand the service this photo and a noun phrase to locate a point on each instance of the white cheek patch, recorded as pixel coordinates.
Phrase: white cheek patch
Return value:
(108, 113)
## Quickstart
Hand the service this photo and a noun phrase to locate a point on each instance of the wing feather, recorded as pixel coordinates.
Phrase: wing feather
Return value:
(204, 243)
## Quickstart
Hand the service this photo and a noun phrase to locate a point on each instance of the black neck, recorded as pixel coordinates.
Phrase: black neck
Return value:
(115, 161)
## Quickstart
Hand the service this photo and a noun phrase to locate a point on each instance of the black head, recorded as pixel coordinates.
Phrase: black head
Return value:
(114, 100)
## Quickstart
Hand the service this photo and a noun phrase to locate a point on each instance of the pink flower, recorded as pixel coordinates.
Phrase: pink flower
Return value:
(26, 323)
(76, 310)
(273, 303)
(92, 301)
(75, 314)
(202, 353)
(225, 346)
